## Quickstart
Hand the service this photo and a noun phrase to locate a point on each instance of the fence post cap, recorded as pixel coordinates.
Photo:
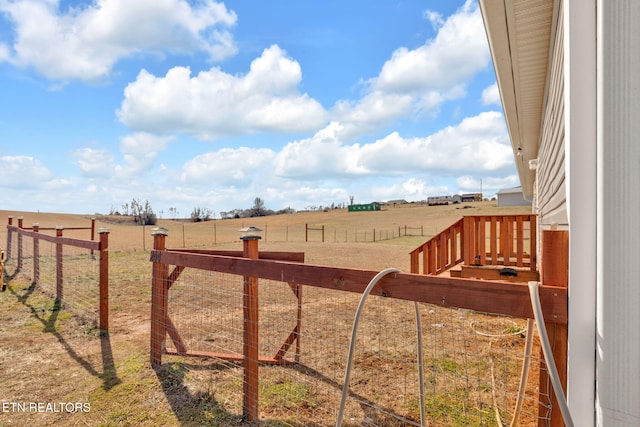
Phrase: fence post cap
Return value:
(159, 231)
(59, 227)
(250, 233)
(103, 230)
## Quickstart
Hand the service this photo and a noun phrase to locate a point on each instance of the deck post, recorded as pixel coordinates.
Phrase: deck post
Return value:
(555, 272)
(250, 333)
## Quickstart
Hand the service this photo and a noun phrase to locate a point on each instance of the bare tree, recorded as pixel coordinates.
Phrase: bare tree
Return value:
(258, 207)
(142, 212)
(200, 214)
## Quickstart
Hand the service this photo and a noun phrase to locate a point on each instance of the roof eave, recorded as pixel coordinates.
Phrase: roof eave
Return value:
(504, 25)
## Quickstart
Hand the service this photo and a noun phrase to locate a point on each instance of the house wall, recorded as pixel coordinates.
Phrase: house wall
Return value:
(512, 199)
(565, 186)
(550, 177)
(618, 339)
(580, 99)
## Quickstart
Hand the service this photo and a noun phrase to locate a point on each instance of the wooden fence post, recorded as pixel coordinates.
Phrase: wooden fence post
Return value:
(9, 238)
(555, 272)
(93, 231)
(20, 244)
(159, 299)
(36, 256)
(250, 333)
(59, 267)
(104, 279)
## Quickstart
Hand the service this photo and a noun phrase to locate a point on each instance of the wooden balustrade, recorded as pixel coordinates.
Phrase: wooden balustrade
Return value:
(506, 240)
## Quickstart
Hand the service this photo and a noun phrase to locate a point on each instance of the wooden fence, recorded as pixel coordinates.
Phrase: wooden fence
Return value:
(508, 240)
(15, 253)
(503, 298)
(365, 235)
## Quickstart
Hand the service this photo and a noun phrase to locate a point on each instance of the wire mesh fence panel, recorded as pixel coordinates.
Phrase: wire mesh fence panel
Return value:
(184, 234)
(205, 310)
(19, 258)
(77, 284)
(68, 273)
(471, 361)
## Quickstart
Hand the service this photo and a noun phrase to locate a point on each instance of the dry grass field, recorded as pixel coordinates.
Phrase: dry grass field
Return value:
(49, 356)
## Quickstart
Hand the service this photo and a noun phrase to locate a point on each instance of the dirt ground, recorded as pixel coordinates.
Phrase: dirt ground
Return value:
(56, 370)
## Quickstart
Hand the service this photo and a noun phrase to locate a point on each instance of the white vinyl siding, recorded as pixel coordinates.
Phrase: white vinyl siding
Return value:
(552, 197)
(618, 356)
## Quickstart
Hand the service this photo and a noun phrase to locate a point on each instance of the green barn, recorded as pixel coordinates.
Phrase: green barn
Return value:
(364, 207)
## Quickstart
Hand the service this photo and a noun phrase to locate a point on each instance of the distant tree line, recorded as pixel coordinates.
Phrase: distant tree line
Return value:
(143, 214)
(258, 209)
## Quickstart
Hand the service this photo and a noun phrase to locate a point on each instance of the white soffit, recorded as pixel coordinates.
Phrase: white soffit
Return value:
(519, 34)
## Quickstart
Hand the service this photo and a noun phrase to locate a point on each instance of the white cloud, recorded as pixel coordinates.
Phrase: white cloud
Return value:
(140, 151)
(85, 42)
(435, 18)
(22, 172)
(410, 190)
(323, 155)
(371, 111)
(4, 52)
(455, 55)
(213, 103)
(489, 185)
(491, 95)
(233, 167)
(94, 163)
(292, 194)
(478, 143)
(419, 81)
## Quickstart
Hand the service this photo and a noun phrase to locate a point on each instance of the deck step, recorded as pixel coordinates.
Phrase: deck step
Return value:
(497, 273)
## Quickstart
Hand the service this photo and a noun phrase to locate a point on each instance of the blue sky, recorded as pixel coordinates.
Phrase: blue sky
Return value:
(203, 104)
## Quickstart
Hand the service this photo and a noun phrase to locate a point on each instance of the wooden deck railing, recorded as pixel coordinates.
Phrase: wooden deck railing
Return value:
(508, 240)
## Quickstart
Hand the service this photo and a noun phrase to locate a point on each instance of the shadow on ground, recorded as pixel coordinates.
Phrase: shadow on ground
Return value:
(108, 375)
(202, 409)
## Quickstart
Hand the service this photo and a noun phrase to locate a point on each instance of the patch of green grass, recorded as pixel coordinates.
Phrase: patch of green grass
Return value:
(286, 394)
(452, 409)
(446, 365)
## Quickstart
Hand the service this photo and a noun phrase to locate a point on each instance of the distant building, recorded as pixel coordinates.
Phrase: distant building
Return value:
(472, 197)
(397, 202)
(512, 197)
(444, 200)
(364, 207)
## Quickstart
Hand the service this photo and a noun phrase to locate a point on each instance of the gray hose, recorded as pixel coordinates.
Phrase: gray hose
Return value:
(548, 354)
(352, 346)
(423, 415)
(524, 375)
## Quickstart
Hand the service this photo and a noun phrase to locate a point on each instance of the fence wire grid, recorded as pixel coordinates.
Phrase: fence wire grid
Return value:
(471, 361)
(79, 268)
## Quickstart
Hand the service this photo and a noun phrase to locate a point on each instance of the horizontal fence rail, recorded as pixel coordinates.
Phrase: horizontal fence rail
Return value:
(506, 240)
(63, 267)
(510, 299)
(199, 281)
